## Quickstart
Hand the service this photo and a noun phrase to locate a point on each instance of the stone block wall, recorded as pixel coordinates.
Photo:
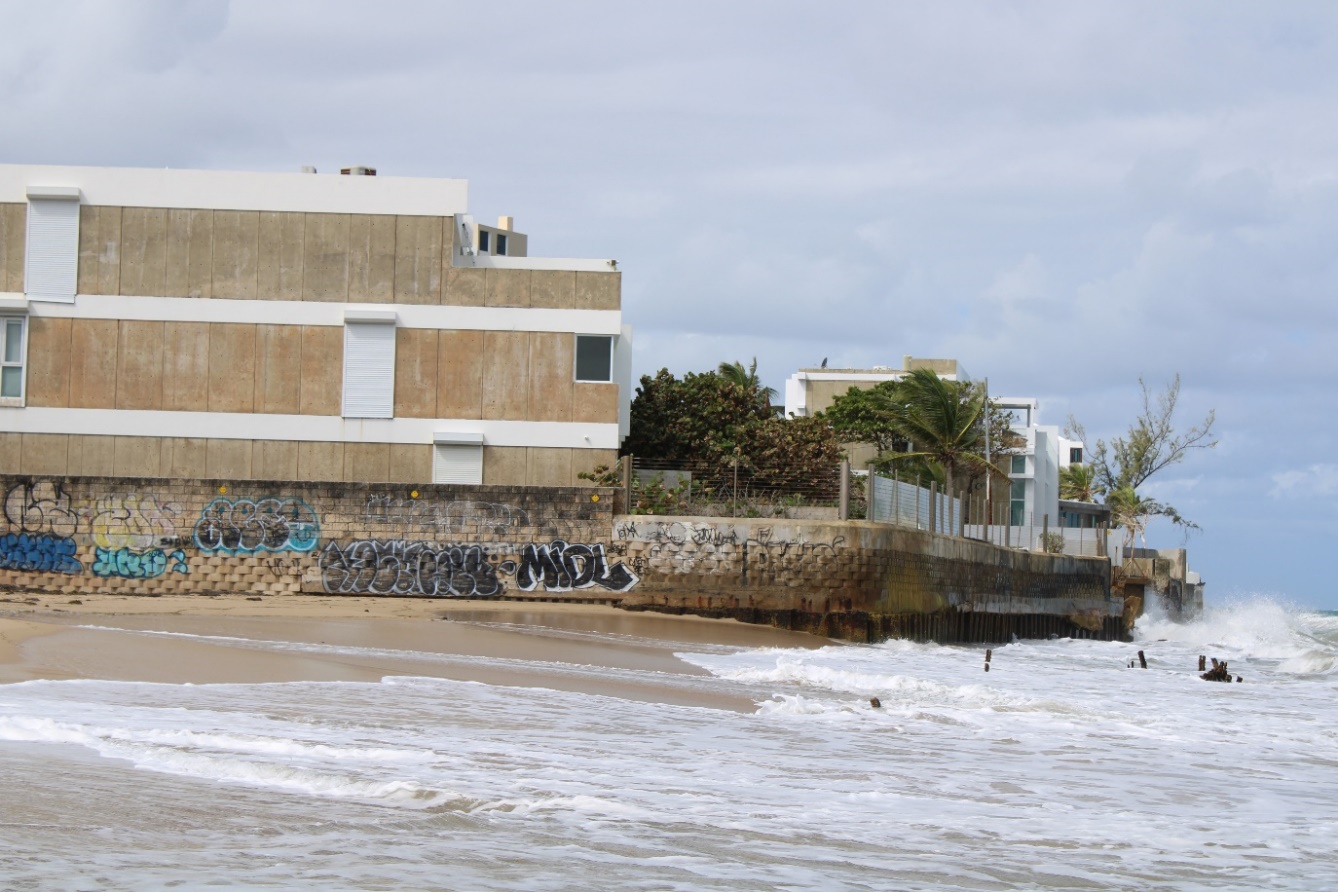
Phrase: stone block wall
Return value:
(150, 536)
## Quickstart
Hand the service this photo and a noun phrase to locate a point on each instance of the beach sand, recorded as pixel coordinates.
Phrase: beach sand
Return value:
(198, 639)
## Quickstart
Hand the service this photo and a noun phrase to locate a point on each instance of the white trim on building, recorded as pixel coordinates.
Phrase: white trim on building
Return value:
(243, 190)
(310, 428)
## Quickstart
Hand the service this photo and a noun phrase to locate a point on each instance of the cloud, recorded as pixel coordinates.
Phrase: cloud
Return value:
(1316, 480)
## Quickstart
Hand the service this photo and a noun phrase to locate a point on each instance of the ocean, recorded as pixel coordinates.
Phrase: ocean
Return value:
(1061, 768)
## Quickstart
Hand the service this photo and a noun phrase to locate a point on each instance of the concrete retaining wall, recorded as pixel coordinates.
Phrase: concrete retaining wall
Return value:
(856, 580)
(154, 536)
(863, 581)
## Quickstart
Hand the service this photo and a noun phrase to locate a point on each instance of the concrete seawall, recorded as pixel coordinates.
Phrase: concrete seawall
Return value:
(863, 581)
(853, 580)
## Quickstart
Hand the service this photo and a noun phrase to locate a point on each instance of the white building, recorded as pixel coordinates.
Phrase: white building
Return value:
(1034, 496)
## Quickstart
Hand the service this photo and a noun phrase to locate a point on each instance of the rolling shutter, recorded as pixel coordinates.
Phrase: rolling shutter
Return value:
(457, 458)
(369, 369)
(51, 270)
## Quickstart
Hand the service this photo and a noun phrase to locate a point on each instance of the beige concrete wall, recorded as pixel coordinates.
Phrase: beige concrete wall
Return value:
(298, 370)
(13, 238)
(272, 255)
(75, 454)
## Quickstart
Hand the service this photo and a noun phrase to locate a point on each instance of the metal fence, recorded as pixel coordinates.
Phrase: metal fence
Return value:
(906, 504)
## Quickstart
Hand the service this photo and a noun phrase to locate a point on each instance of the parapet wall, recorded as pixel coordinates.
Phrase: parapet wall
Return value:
(157, 536)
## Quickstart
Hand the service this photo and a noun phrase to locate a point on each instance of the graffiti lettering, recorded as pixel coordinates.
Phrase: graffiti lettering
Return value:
(133, 564)
(244, 526)
(136, 522)
(40, 507)
(560, 567)
(397, 567)
(458, 518)
(38, 553)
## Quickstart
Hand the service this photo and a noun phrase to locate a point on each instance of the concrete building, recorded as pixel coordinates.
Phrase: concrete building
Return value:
(1035, 468)
(306, 327)
(810, 391)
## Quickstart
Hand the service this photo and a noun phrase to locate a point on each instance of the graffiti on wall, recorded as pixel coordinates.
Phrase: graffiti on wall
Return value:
(562, 567)
(246, 526)
(459, 519)
(132, 521)
(40, 507)
(403, 567)
(38, 553)
(686, 547)
(137, 564)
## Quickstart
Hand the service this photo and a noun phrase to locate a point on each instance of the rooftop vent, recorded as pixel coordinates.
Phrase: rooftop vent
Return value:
(358, 171)
(307, 168)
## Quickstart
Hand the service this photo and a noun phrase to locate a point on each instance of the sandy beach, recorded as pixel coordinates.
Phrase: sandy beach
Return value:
(241, 639)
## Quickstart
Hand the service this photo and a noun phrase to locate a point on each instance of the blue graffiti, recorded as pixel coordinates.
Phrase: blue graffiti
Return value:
(245, 526)
(38, 553)
(137, 564)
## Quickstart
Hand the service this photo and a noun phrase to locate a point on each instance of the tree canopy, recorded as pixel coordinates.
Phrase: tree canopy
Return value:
(707, 421)
(923, 424)
(1152, 444)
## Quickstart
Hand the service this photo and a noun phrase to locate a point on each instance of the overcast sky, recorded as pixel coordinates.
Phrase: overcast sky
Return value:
(1063, 196)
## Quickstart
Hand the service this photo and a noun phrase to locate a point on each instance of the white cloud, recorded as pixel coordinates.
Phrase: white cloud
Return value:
(1316, 480)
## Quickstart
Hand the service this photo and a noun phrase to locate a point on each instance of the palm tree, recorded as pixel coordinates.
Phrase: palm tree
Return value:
(943, 422)
(736, 374)
(1077, 483)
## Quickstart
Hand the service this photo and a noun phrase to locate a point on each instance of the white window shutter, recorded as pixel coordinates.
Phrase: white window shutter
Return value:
(369, 370)
(52, 264)
(457, 463)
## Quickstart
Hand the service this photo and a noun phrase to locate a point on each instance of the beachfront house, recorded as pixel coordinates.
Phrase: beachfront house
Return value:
(296, 326)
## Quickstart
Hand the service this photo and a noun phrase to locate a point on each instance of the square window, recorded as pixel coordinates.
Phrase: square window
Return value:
(1019, 464)
(12, 355)
(1075, 455)
(594, 358)
(483, 240)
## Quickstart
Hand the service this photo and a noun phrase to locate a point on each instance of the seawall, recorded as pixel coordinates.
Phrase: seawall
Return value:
(853, 580)
(863, 581)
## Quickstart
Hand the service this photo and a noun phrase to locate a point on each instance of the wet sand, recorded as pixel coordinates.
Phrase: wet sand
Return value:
(194, 639)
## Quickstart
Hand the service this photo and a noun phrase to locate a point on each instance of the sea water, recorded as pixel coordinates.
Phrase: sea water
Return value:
(1061, 768)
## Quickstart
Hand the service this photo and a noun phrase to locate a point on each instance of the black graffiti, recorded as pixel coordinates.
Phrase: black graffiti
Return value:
(399, 567)
(245, 526)
(403, 567)
(40, 507)
(561, 567)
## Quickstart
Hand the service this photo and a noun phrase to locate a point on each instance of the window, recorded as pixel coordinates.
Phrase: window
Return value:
(594, 358)
(1018, 503)
(1075, 455)
(501, 244)
(457, 458)
(51, 265)
(13, 350)
(483, 240)
(369, 364)
(1019, 465)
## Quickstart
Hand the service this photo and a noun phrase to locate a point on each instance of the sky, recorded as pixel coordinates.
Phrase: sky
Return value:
(1065, 197)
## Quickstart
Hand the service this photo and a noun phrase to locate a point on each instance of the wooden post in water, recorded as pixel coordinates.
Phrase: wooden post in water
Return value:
(989, 652)
(1142, 660)
(1203, 663)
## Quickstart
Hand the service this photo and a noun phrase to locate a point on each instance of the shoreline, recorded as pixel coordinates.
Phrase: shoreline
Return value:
(240, 639)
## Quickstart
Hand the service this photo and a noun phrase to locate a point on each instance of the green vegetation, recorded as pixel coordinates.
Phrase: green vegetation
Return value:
(925, 427)
(1151, 445)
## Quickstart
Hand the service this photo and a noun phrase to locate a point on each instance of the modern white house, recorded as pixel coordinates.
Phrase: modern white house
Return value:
(296, 326)
(1034, 494)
